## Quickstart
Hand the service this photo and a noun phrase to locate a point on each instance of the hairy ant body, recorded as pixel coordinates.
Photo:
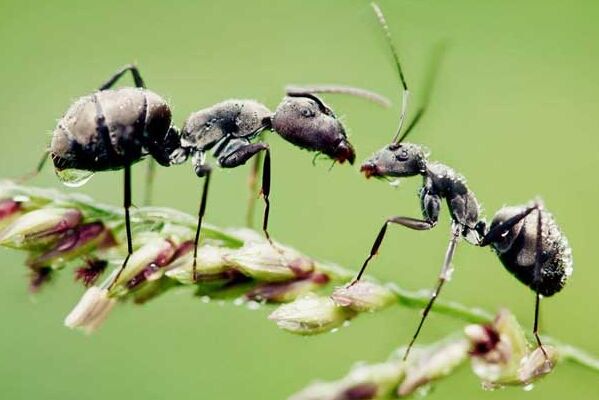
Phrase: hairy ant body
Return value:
(232, 131)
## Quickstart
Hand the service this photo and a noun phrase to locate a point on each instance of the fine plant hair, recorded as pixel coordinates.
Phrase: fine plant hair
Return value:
(60, 231)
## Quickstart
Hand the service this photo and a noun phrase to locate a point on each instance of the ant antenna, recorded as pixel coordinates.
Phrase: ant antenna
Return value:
(342, 89)
(406, 93)
(430, 78)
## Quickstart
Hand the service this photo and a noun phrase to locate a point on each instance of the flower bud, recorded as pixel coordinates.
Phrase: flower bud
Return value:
(433, 363)
(537, 364)
(39, 227)
(156, 252)
(375, 381)
(497, 350)
(363, 296)
(263, 262)
(74, 243)
(310, 314)
(282, 292)
(91, 311)
(9, 209)
(211, 263)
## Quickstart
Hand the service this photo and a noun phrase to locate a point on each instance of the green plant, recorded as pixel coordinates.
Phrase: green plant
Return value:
(238, 265)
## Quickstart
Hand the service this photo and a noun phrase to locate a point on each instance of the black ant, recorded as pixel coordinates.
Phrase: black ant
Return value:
(232, 131)
(526, 238)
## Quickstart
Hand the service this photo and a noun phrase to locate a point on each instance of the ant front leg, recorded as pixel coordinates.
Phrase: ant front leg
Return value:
(139, 82)
(237, 153)
(408, 222)
(430, 203)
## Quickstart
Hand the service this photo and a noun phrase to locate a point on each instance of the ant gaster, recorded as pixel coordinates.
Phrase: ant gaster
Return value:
(526, 238)
(232, 131)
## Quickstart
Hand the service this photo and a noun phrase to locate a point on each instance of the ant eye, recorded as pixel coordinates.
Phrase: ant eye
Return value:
(306, 112)
(402, 155)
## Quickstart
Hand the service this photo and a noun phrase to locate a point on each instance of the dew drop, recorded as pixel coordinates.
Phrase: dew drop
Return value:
(74, 177)
(238, 301)
(334, 330)
(528, 387)
(21, 198)
(205, 299)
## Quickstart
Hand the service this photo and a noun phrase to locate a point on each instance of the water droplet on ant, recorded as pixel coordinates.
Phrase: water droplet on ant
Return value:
(74, 177)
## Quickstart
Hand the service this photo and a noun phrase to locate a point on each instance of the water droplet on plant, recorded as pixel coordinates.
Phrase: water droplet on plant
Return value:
(238, 301)
(21, 198)
(528, 387)
(205, 299)
(252, 305)
(423, 391)
(74, 177)
(334, 330)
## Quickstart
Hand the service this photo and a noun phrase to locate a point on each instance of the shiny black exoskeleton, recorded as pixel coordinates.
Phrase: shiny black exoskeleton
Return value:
(112, 129)
(526, 238)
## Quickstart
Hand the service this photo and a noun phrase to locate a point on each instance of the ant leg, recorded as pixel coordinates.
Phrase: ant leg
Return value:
(127, 205)
(494, 234)
(535, 330)
(37, 170)
(202, 210)
(252, 181)
(443, 277)
(237, 154)
(266, 192)
(538, 265)
(150, 174)
(412, 223)
(139, 82)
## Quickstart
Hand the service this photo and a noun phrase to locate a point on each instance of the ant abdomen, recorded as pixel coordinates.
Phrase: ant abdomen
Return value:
(109, 129)
(518, 246)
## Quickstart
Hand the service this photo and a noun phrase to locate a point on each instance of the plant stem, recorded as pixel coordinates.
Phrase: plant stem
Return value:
(157, 218)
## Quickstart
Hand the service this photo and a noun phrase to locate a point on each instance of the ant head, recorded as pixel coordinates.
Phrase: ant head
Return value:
(237, 118)
(396, 160)
(304, 120)
(165, 148)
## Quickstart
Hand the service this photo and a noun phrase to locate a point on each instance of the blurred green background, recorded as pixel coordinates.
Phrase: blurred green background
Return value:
(514, 110)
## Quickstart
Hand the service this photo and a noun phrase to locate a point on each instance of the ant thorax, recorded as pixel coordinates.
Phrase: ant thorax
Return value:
(228, 119)
(446, 180)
